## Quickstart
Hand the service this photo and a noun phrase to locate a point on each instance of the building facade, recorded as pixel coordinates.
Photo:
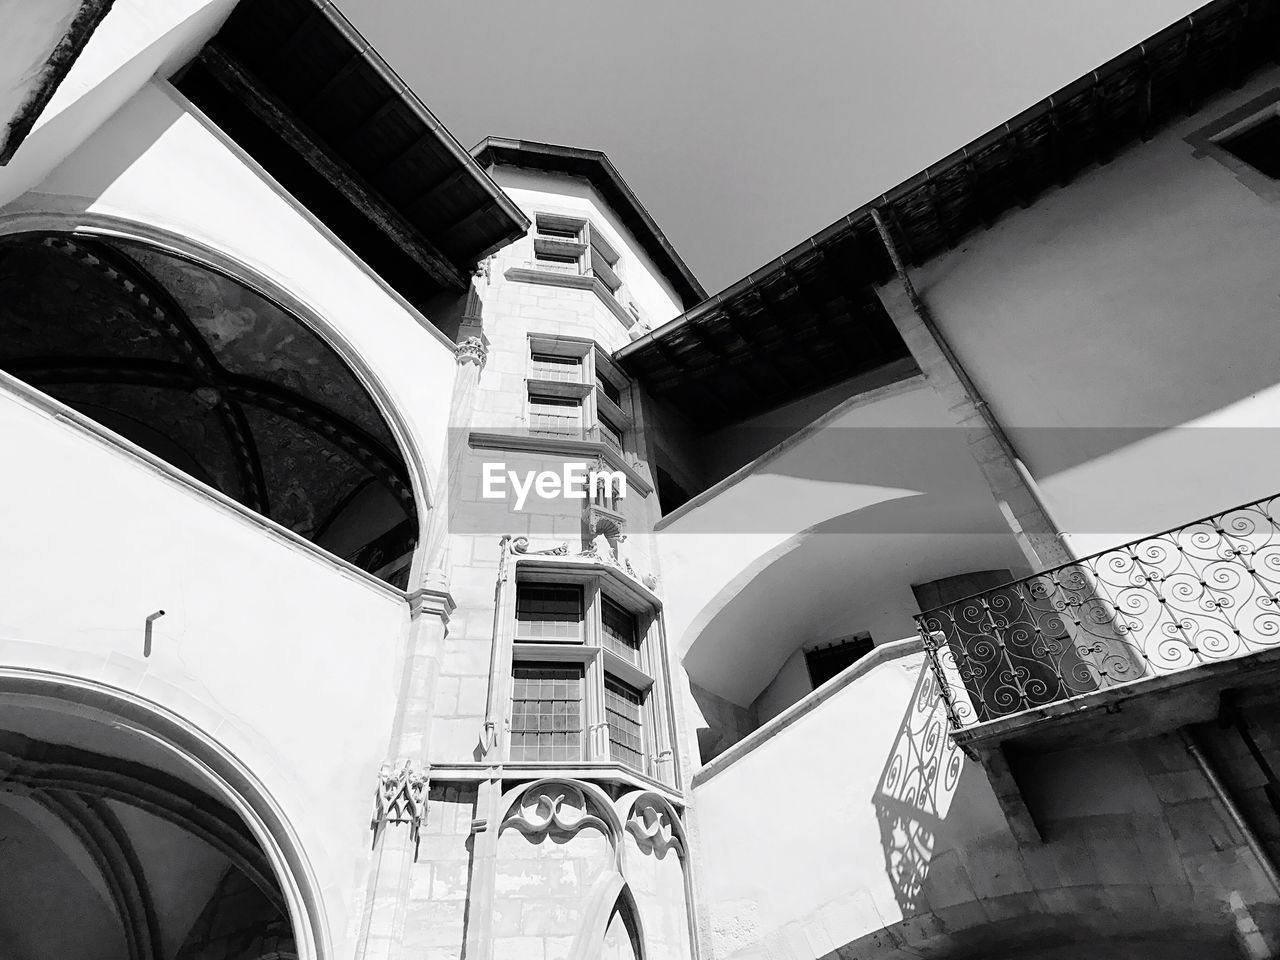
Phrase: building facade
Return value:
(455, 578)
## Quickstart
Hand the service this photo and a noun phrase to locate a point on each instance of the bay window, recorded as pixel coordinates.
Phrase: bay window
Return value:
(582, 674)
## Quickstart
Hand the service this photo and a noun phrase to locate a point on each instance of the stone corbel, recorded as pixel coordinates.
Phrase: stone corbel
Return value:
(488, 737)
(473, 350)
(401, 797)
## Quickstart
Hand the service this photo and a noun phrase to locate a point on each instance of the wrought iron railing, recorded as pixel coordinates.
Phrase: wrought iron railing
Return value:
(1200, 593)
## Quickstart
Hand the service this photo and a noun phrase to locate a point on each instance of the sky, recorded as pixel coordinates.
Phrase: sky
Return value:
(746, 126)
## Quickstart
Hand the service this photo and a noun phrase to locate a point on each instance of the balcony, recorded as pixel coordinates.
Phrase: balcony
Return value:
(1195, 596)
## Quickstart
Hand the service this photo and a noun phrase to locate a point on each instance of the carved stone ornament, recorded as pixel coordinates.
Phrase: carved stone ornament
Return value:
(401, 797)
(554, 806)
(521, 545)
(600, 552)
(652, 824)
(472, 350)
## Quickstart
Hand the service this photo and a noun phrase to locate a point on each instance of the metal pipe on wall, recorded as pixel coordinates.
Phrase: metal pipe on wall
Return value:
(1219, 787)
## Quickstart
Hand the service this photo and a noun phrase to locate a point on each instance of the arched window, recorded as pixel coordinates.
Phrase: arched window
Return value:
(215, 379)
(621, 936)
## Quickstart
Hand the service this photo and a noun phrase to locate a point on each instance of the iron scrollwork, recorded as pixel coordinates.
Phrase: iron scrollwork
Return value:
(1197, 594)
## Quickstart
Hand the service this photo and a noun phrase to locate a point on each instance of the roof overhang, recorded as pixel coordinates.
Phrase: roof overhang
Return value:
(301, 91)
(1087, 122)
(597, 169)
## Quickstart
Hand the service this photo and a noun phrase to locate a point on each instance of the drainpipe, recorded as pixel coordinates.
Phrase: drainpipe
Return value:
(1233, 810)
(974, 396)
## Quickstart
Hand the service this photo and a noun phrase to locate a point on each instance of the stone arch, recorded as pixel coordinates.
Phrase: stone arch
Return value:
(846, 575)
(657, 846)
(612, 895)
(653, 821)
(537, 807)
(238, 812)
(276, 291)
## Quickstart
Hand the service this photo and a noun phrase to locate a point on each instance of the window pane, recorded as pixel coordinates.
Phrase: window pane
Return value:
(561, 263)
(610, 434)
(546, 366)
(546, 712)
(825, 662)
(609, 390)
(626, 732)
(619, 633)
(555, 415)
(546, 611)
(560, 228)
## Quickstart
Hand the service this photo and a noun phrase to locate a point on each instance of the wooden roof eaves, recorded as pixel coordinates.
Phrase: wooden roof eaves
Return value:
(1048, 108)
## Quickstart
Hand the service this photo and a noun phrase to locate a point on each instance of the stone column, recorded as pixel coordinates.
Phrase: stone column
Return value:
(1010, 481)
(403, 783)
(404, 779)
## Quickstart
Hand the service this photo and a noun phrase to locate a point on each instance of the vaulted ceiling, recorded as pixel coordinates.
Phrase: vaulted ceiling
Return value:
(210, 376)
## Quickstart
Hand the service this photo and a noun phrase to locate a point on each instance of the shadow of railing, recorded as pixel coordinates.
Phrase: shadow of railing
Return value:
(915, 791)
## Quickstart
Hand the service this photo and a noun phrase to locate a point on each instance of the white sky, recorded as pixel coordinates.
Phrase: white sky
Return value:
(746, 126)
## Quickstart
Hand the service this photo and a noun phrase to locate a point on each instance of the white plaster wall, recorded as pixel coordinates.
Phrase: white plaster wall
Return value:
(290, 662)
(159, 164)
(534, 191)
(824, 537)
(790, 684)
(28, 34)
(900, 843)
(265, 646)
(771, 887)
(1124, 329)
(137, 40)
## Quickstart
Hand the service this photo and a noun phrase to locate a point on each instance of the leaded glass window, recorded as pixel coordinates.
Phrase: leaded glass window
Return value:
(548, 611)
(618, 630)
(546, 712)
(623, 711)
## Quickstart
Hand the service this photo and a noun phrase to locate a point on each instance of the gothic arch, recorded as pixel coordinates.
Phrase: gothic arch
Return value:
(100, 229)
(534, 808)
(238, 815)
(611, 895)
(652, 820)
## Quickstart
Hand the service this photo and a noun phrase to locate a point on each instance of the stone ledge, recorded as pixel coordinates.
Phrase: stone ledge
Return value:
(552, 279)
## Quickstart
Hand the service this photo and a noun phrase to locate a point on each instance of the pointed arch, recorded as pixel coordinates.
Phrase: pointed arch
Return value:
(653, 821)
(611, 895)
(534, 808)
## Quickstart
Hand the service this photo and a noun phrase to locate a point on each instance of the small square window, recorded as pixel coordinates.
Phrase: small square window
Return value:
(558, 415)
(618, 628)
(610, 434)
(548, 611)
(547, 366)
(1257, 145)
(826, 661)
(609, 390)
(624, 713)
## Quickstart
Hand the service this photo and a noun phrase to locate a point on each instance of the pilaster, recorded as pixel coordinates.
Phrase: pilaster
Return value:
(1011, 483)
